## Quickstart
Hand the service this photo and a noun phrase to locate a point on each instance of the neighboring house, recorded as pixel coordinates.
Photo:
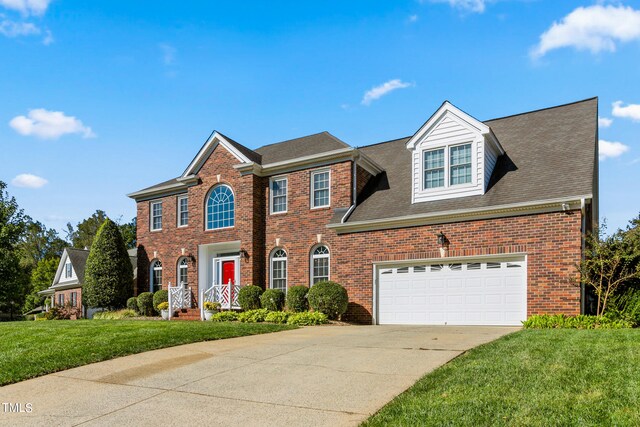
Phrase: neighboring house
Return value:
(464, 222)
(67, 283)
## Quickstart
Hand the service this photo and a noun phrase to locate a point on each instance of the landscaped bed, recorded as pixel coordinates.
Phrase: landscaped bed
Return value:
(534, 377)
(31, 349)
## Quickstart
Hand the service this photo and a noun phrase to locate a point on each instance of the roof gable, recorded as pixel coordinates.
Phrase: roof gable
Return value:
(239, 151)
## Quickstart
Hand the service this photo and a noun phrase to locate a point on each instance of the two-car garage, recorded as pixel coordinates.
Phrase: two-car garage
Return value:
(463, 292)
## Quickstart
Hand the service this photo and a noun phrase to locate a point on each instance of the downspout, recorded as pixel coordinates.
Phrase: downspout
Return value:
(354, 189)
(583, 231)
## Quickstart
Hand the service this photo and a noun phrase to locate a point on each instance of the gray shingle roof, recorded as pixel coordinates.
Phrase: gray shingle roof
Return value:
(550, 154)
(300, 147)
(250, 154)
(79, 257)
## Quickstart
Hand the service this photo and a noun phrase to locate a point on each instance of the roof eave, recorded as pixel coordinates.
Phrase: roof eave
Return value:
(328, 157)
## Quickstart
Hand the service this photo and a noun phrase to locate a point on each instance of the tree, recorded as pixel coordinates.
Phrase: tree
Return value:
(41, 278)
(84, 233)
(12, 277)
(38, 242)
(108, 278)
(609, 265)
(128, 231)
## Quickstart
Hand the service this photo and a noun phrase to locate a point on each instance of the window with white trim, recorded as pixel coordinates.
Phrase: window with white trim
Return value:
(183, 211)
(279, 195)
(279, 269)
(441, 171)
(320, 189)
(60, 300)
(183, 270)
(221, 209)
(319, 264)
(68, 270)
(156, 216)
(156, 276)
(74, 299)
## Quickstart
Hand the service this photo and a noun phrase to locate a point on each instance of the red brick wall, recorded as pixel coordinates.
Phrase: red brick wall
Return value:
(67, 296)
(551, 241)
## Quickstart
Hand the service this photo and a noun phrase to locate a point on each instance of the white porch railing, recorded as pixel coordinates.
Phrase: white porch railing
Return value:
(179, 298)
(225, 294)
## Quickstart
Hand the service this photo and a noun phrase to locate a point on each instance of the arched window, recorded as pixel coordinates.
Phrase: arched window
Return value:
(220, 208)
(183, 268)
(156, 276)
(319, 264)
(279, 269)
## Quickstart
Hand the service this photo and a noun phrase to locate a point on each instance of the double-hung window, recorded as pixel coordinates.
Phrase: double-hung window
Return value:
(156, 216)
(447, 166)
(60, 300)
(460, 164)
(183, 211)
(320, 189)
(68, 270)
(319, 264)
(74, 299)
(279, 195)
(279, 270)
(434, 168)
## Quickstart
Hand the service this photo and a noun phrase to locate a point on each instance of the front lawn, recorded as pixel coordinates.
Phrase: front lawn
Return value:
(31, 349)
(555, 377)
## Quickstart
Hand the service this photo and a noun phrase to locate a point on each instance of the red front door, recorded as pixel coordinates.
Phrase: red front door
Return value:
(229, 272)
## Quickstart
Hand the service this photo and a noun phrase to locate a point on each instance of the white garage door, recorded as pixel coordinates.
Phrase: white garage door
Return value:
(454, 293)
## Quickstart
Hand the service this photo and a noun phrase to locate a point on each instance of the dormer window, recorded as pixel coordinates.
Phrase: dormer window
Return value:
(68, 270)
(459, 167)
(434, 168)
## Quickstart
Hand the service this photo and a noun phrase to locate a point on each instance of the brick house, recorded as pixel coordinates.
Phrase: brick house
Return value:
(464, 222)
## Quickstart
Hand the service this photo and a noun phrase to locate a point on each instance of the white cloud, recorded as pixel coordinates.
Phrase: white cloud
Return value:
(609, 149)
(383, 89)
(168, 53)
(595, 28)
(49, 124)
(27, 7)
(14, 29)
(631, 111)
(27, 180)
(412, 18)
(604, 122)
(476, 6)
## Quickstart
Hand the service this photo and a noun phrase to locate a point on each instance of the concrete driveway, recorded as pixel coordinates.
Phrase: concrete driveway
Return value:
(323, 375)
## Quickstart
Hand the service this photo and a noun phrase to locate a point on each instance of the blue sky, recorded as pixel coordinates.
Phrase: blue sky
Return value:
(103, 98)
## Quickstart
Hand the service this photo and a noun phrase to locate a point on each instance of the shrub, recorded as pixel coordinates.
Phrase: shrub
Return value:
(63, 313)
(212, 305)
(329, 298)
(132, 303)
(626, 306)
(163, 306)
(108, 279)
(225, 316)
(307, 318)
(249, 297)
(145, 304)
(160, 296)
(272, 299)
(115, 315)
(277, 317)
(253, 316)
(561, 321)
(297, 298)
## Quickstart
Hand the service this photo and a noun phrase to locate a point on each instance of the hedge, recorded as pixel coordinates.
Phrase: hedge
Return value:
(297, 298)
(249, 297)
(272, 299)
(145, 304)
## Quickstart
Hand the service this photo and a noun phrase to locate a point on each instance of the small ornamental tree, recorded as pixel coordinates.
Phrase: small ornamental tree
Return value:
(108, 281)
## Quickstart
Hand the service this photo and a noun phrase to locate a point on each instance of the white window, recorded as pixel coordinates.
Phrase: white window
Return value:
(68, 270)
(279, 269)
(183, 269)
(319, 264)
(221, 211)
(320, 189)
(60, 300)
(183, 211)
(156, 276)
(156, 216)
(279, 195)
(440, 171)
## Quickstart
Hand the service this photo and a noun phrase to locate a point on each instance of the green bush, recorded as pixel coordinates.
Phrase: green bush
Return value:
(115, 315)
(159, 296)
(249, 297)
(225, 316)
(253, 316)
(132, 303)
(108, 278)
(272, 299)
(626, 306)
(561, 321)
(145, 304)
(277, 317)
(307, 318)
(297, 298)
(329, 298)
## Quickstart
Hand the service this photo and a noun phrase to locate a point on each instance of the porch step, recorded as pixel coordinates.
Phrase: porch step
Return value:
(186, 314)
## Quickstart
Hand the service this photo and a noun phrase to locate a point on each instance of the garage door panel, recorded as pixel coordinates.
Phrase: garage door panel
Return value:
(478, 293)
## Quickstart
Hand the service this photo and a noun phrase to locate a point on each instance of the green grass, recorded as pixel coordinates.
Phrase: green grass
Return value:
(530, 378)
(31, 349)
